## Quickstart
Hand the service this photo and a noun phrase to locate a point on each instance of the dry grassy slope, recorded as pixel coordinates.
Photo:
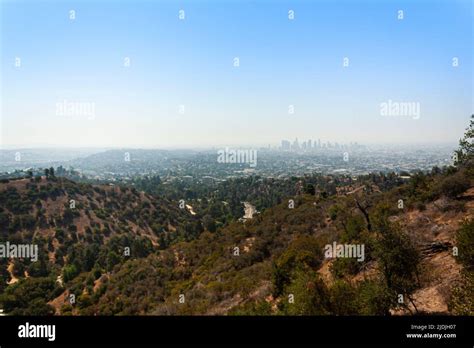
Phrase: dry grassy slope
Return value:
(439, 270)
(88, 201)
(54, 209)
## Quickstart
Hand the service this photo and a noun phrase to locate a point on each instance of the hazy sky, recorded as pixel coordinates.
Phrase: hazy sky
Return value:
(81, 63)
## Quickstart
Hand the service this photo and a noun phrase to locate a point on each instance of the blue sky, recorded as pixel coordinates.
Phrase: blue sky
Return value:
(189, 62)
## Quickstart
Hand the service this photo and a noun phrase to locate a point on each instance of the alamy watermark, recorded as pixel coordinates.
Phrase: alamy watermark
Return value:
(75, 108)
(23, 251)
(405, 109)
(335, 250)
(37, 331)
(228, 155)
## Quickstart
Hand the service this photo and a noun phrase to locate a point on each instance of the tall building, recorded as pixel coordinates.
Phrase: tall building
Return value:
(285, 145)
(296, 145)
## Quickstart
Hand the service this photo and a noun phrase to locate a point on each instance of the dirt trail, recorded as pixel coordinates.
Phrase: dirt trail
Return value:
(10, 269)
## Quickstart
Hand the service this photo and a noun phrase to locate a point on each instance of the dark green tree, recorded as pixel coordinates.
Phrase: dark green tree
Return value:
(399, 260)
(465, 153)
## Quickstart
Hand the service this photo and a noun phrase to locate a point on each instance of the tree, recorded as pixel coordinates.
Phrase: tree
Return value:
(209, 223)
(112, 260)
(453, 185)
(69, 272)
(343, 296)
(364, 209)
(399, 260)
(305, 252)
(162, 242)
(30, 296)
(465, 153)
(310, 189)
(306, 295)
(39, 268)
(465, 244)
(374, 298)
(462, 300)
(252, 309)
(46, 172)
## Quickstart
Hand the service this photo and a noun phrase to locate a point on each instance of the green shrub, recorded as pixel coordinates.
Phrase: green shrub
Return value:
(465, 244)
(454, 185)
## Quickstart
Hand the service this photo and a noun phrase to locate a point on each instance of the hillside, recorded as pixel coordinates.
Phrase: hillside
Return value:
(114, 250)
(280, 253)
(243, 268)
(42, 206)
(82, 228)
